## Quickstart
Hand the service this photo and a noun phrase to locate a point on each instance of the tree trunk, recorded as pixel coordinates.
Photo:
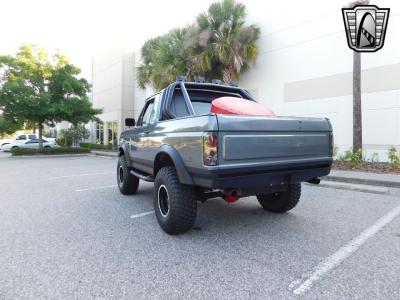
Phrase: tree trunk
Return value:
(40, 130)
(357, 113)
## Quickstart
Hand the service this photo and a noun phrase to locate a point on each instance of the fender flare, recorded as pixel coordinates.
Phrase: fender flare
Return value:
(183, 174)
(123, 150)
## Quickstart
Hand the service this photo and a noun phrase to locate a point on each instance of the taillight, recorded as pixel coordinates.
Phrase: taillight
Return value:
(210, 149)
(332, 144)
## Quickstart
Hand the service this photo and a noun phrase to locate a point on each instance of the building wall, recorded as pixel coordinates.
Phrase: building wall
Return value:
(113, 86)
(305, 69)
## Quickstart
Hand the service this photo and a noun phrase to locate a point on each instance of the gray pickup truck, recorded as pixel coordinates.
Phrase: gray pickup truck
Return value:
(192, 154)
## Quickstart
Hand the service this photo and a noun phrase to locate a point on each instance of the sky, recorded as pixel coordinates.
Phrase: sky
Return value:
(80, 28)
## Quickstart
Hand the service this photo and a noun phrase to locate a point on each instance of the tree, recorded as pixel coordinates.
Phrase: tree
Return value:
(39, 89)
(164, 58)
(224, 45)
(217, 45)
(8, 126)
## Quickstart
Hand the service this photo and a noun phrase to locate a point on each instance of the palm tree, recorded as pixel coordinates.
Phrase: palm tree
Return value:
(220, 44)
(357, 110)
(163, 58)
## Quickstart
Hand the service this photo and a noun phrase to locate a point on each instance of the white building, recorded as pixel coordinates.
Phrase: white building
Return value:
(304, 69)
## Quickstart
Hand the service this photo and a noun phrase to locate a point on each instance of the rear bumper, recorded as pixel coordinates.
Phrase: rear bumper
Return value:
(261, 176)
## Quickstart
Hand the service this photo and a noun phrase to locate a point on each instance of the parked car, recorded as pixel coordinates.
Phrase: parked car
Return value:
(192, 154)
(30, 144)
(22, 138)
(32, 136)
(5, 142)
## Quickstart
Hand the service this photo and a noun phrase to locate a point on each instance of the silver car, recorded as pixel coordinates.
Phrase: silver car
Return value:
(29, 144)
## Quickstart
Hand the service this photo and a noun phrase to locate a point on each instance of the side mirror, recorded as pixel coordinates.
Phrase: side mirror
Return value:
(130, 122)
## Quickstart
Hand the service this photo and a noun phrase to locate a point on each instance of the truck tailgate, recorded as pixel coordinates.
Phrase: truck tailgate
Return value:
(253, 139)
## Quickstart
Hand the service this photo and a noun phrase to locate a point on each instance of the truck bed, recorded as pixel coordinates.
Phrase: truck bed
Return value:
(274, 150)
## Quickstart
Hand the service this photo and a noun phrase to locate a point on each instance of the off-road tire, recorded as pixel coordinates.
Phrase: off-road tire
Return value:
(282, 201)
(175, 204)
(127, 183)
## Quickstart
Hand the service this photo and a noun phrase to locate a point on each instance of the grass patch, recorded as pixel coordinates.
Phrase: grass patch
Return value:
(49, 151)
(373, 167)
(96, 146)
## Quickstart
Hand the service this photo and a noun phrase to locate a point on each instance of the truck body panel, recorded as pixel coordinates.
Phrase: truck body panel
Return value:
(253, 151)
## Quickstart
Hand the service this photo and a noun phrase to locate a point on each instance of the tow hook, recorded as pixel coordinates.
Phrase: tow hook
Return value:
(231, 199)
(231, 196)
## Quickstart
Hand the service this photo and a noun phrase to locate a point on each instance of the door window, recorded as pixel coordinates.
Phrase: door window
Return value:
(148, 114)
(32, 136)
(35, 141)
(21, 137)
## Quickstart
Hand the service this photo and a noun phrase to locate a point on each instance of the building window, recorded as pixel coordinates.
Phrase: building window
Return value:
(113, 134)
(99, 133)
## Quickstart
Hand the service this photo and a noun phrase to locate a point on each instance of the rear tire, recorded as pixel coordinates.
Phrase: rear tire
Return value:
(128, 184)
(175, 204)
(282, 201)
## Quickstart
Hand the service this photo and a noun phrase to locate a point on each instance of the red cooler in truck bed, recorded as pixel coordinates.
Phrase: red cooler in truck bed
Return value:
(239, 106)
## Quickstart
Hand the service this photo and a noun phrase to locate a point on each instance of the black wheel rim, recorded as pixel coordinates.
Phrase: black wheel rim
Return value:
(163, 200)
(120, 174)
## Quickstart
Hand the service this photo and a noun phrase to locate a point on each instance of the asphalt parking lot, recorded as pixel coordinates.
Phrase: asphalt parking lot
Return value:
(67, 233)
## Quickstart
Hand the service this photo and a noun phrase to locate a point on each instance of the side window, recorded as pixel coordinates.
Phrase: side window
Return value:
(21, 137)
(147, 115)
(32, 136)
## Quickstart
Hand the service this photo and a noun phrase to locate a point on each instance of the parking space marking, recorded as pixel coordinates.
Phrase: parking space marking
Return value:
(344, 252)
(97, 188)
(79, 175)
(142, 214)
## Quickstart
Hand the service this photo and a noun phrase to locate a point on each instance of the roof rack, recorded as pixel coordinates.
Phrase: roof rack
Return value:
(181, 78)
(216, 81)
(199, 79)
(233, 83)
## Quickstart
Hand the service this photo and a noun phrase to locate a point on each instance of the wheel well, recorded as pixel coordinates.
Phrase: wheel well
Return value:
(162, 160)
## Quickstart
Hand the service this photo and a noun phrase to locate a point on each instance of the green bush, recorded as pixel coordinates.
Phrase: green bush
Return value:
(394, 158)
(48, 151)
(335, 151)
(355, 159)
(96, 146)
(72, 136)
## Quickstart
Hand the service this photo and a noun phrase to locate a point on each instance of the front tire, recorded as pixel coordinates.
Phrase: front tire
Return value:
(175, 204)
(282, 201)
(128, 184)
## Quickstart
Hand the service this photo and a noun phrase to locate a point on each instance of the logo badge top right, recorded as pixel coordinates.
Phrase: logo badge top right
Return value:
(365, 27)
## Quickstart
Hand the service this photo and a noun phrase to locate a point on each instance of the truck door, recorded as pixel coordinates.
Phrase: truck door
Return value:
(140, 143)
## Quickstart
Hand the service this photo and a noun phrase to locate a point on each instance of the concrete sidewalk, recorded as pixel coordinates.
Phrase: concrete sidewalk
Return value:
(376, 179)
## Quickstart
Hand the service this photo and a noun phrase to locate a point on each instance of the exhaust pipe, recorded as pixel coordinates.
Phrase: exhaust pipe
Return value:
(314, 181)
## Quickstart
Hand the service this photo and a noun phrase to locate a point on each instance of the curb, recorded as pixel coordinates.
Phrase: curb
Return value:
(356, 187)
(384, 183)
(49, 155)
(104, 154)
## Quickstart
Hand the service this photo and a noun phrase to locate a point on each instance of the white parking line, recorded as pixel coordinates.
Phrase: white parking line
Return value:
(97, 188)
(344, 252)
(78, 175)
(142, 214)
